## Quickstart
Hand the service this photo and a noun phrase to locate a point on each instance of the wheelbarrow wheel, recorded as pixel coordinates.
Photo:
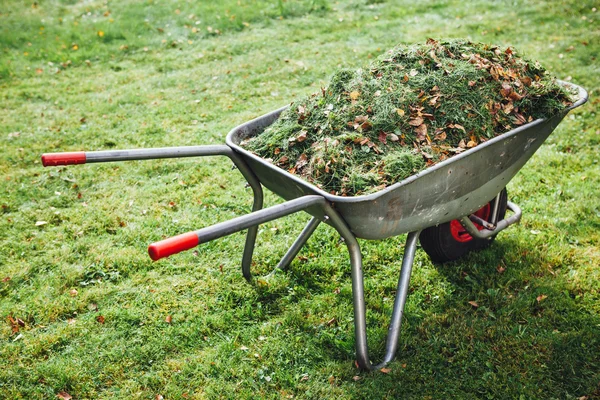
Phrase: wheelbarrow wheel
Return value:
(450, 241)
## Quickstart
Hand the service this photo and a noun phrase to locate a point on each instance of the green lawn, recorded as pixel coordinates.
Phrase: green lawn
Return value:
(84, 310)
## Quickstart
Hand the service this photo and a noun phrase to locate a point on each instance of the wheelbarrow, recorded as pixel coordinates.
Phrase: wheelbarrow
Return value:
(454, 207)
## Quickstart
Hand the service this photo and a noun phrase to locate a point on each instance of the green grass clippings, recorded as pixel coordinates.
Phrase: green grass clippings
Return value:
(411, 108)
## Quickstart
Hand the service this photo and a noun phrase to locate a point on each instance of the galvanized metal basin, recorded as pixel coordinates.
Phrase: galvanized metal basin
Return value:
(449, 190)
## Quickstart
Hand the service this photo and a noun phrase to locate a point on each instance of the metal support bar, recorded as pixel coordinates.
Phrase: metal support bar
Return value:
(501, 225)
(306, 233)
(495, 210)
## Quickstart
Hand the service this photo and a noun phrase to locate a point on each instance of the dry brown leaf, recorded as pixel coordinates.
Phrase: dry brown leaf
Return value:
(440, 135)
(415, 121)
(421, 131)
(168, 319)
(385, 370)
(393, 137)
(541, 297)
(302, 161)
(301, 136)
(14, 325)
(100, 319)
(64, 396)
(471, 144)
(73, 292)
(506, 90)
(515, 96)
(356, 378)
(354, 95)
(382, 137)
(400, 112)
(474, 304)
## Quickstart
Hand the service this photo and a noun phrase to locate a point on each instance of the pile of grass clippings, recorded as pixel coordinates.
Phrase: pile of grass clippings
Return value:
(413, 107)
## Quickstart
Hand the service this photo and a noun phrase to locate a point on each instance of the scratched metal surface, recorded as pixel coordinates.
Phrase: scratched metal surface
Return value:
(451, 189)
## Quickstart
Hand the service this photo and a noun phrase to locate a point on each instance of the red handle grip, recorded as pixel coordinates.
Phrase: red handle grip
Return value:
(173, 245)
(54, 159)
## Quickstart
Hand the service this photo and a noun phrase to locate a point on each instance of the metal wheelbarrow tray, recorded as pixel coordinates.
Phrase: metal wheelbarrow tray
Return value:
(451, 191)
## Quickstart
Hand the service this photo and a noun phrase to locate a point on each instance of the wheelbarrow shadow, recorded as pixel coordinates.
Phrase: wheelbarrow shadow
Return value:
(508, 322)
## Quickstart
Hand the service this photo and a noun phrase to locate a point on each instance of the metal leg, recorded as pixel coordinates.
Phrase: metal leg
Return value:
(400, 301)
(306, 233)
(358, 293)
(257, 205)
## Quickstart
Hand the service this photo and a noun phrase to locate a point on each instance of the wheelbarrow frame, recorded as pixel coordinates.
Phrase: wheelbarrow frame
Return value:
(452, 189)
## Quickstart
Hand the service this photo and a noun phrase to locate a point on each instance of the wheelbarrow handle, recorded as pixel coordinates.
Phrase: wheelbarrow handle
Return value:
(83, 157)
(186, 241)
(71, 158)
(173, 245)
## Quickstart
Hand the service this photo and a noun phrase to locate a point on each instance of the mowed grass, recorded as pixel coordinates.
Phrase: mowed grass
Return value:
(93, 308)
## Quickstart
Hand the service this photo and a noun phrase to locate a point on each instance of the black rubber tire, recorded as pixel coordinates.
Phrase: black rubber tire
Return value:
(441, 246)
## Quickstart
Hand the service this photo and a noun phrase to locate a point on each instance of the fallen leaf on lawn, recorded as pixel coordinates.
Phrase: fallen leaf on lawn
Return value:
(500, 269)
(159, 397)
(541, 297)
(243, 348)
(100, 319)
(40, 223)
(386, 370)
(356, 378)
(474, 304)
(6, 279)
(393, 137)
(168, 319)
(304, 378)
(92, 307)
(382, 137)
(331, 380)
(471, 143)
(400, 112)
(64, 396)
(14, 325)
(472, 83)
(73, 292)
(354, 95)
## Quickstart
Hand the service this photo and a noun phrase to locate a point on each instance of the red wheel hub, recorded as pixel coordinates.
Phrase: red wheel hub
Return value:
(460, 234)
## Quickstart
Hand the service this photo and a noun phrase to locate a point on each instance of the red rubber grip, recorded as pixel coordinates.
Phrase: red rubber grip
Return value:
(173, 245)
(54, 159)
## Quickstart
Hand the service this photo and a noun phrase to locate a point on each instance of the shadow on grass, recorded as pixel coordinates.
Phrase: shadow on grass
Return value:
(520, 330)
